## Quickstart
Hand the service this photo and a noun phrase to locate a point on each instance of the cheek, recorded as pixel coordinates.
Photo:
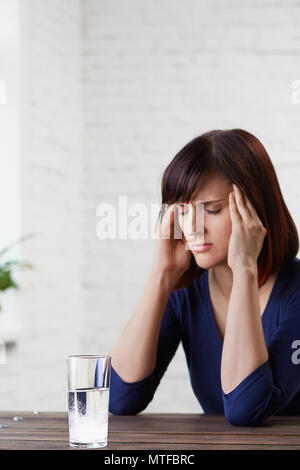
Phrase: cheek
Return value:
(222, 228)
(227, 227)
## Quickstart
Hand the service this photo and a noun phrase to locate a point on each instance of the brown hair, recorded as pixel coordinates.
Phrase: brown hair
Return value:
(241, 159)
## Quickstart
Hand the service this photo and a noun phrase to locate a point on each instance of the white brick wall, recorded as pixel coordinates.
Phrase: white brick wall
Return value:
(9, 122)
(50, 298)
(156, 74)
(153, 75)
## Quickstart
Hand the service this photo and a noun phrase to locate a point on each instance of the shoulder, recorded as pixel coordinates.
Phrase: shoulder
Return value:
(290, 289)
(290, 276)
(293, 268)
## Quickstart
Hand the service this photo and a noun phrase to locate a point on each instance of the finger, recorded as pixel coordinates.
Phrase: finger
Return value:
(159, 222)
(241, 203)
(234, 213)
(254, 214)
(166, 226)
(251, 209)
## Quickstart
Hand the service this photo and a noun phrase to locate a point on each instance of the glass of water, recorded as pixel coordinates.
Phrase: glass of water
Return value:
(88, 400)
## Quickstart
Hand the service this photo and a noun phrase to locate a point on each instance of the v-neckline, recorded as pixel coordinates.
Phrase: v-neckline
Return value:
(210, 311)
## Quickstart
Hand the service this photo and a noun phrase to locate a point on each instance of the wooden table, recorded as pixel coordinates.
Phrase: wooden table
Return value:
(149, 431)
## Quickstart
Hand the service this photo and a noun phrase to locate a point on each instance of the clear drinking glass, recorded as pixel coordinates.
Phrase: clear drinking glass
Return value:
(88, 400)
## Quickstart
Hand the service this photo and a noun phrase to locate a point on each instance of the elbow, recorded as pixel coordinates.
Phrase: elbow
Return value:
(238, 421)
(128, 402)
(122, 410)
(119, 408)
(243, 418)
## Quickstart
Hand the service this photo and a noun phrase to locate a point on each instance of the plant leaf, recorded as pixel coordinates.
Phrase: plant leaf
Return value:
(21, 264)
(6, 281)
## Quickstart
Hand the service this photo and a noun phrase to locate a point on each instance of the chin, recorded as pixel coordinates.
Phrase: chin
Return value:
(204, 263)
(207, 262)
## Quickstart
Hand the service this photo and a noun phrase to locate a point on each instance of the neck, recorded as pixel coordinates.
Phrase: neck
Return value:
(222, 277)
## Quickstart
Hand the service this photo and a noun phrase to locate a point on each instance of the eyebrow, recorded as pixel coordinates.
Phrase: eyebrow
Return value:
(205, 202)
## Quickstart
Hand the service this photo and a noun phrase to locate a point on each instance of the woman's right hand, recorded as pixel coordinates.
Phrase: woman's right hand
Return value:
(171, 258)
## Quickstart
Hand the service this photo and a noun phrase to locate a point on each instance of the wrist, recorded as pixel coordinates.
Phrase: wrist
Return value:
(162, 278)
(245, 268)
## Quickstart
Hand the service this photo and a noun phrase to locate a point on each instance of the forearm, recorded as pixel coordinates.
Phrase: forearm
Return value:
(134, 353)
(244, 347)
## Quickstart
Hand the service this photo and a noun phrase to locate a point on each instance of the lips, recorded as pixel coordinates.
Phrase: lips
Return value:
(198, 248)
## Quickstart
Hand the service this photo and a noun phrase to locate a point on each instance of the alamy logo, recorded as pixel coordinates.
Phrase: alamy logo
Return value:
(114, 221)
(296, 354)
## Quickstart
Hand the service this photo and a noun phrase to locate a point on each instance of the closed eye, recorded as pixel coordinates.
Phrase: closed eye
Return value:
(209, 212)
(213, 212)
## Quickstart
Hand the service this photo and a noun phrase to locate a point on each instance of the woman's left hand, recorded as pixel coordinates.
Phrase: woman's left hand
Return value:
(247, 234)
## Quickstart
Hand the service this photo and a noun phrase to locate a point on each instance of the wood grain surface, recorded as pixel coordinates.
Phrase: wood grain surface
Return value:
(152, 431)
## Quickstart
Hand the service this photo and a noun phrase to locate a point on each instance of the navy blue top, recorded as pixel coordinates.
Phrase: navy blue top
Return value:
(273, 388)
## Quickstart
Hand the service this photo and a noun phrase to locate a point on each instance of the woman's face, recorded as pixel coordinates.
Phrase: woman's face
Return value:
(217, 221)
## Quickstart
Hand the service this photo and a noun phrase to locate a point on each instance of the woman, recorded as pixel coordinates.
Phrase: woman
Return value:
(234, 304)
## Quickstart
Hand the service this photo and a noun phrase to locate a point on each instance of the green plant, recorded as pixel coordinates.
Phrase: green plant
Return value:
(7, 267)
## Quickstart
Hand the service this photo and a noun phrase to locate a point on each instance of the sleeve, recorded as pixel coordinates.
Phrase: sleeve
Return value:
(133, 397)
(271, 386)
